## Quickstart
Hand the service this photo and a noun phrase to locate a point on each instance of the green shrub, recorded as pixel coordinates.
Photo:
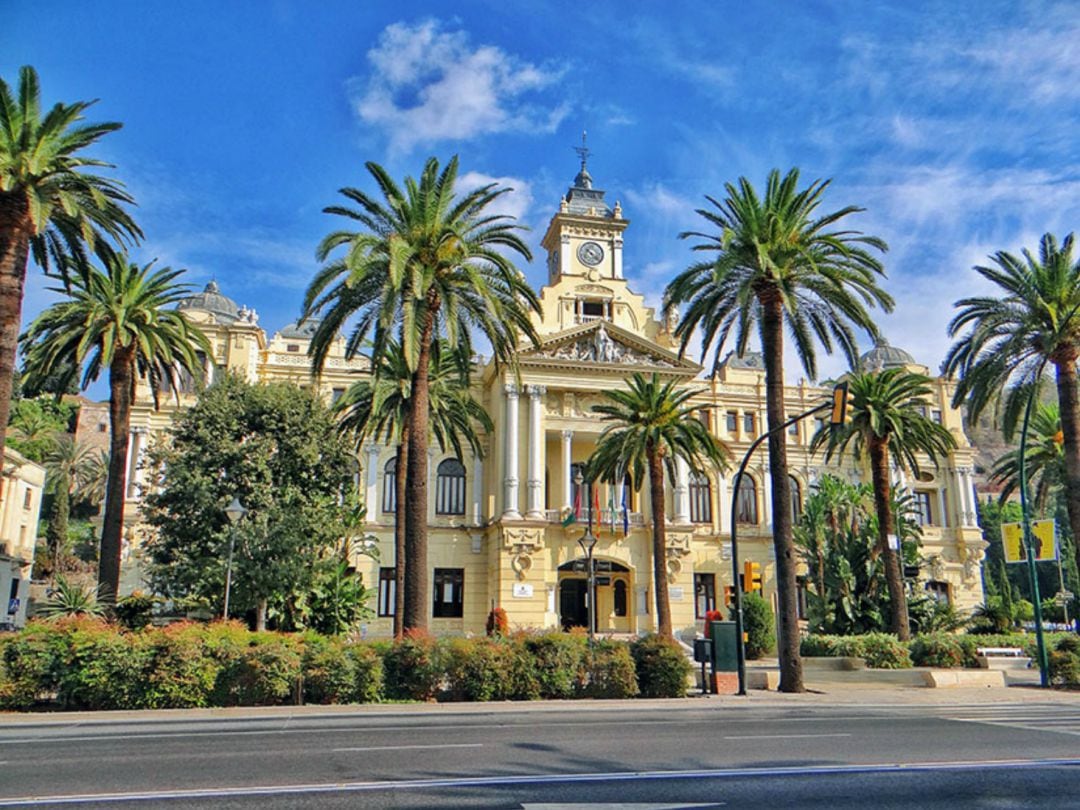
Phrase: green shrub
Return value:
(759, 626)
(818, 645)
(609, 672)
(1064, 662)
(559, 662)
(411, 668)
(182, 673)
(937, 650)
(368, 667)
(257, 669)
(106, 670)
(33, 662)
(135, 611)
(662, 667)
(879, 650)
(477, 669)
(329, 670)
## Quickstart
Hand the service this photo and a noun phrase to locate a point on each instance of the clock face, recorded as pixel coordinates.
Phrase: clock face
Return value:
(590, 253)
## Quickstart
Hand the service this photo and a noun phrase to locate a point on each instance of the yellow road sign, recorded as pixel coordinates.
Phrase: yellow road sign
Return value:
(1042, 534)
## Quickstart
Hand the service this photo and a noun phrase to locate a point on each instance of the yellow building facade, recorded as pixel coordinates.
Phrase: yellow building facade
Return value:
(497, 534)
(20, 507)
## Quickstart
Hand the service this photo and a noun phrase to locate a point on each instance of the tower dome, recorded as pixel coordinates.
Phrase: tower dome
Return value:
(224, 309)
(884, 356)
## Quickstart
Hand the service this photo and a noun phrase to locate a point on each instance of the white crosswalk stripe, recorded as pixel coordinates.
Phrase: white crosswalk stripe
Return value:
(1035, 716)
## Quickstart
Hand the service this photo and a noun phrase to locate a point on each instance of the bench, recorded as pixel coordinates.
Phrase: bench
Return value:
(1007, 658)
(999, 652)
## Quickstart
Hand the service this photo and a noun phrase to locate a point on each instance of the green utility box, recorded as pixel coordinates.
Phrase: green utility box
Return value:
(725, 653)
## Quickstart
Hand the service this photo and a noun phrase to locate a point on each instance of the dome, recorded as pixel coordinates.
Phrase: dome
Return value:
(884, 356)
(224, 309)
(748, 360)
(304, 332)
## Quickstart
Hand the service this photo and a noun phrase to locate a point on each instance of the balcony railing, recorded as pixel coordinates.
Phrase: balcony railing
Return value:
(603, 517)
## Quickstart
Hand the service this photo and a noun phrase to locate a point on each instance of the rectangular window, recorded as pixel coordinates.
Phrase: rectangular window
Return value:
(704, 594)
(800, 598)
(793, 430)
(936, 415)
(449, 590)
(292, 347)
(748, 424)
(336, 394)
(939, 591)
(28, 498)
(921, 410)
(732, 421)
(923, 515)
(387, 591)
(700, 499)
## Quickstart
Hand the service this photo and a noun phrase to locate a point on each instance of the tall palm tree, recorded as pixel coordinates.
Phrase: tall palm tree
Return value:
(427, 263)
(886, 426)
(116, 318)
(378, 409)
(49, 204)
(1009, 340)
(777, 262)
(1045, 459)
(650, 426)
(67, 464)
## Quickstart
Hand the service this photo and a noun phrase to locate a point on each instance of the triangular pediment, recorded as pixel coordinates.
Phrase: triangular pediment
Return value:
(603, 345)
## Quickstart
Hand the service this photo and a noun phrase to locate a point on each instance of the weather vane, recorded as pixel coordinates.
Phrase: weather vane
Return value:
(583, 150)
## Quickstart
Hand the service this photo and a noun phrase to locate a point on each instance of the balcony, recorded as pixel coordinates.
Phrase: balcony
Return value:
(602, 517)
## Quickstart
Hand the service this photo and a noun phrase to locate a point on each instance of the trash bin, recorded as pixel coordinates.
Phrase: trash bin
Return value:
(703, 650)
(725, 653)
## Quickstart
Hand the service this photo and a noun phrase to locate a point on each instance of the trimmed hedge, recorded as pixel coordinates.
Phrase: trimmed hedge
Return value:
(90, 664)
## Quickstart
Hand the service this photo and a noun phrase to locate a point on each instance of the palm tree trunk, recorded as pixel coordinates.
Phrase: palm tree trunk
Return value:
(121, 386)
(659, 543)
(772, 346)
(400, 555)
(1069, 409)
(416, 501)
(879, 471)
(15, 231)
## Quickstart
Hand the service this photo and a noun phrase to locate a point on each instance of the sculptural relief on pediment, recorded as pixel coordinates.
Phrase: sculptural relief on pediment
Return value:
(598, 347)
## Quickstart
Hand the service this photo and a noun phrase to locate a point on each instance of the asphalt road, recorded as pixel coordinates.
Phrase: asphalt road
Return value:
(683, 754)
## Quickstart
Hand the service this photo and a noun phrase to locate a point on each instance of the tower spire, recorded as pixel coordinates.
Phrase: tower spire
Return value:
(583, 179)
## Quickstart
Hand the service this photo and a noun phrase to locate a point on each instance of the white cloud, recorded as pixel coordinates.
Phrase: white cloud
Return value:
(659, 199)
(429, 85)
(515, 203)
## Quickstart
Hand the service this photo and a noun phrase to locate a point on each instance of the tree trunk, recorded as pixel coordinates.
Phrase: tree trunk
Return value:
(659, 543)
(772, 347)
(121, 388)
(1070, 429)
(879, 470)
(16, 229)
(400, 555)
(416, 502)
(260, 615)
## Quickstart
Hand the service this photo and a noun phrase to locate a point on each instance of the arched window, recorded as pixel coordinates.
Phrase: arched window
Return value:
(620, 597)
(450, 488)
(700, 498)
(796, 498)
(389, 498)
(746, 503)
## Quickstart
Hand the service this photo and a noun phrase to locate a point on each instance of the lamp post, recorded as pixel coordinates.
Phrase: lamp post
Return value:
(234, 512)
(587, 542)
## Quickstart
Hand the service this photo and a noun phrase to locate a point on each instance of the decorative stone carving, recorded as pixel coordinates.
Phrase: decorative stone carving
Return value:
(521, 562)
(530, 538)
(678, 543)
(599, 347)
(937, 567)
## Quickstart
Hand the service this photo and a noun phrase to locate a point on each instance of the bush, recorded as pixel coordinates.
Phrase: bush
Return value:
(369, 672)
(256, 669)
(182, 673)
(135, 611)
(497, 623)
(609, 672)
(662, 668)
(411, 667)
(558, 663)
(759, 626)
(879, 650)
(33, 662)
(937, 650)
(821, 646)
(329, 671)
(478, 669)
(105, 670)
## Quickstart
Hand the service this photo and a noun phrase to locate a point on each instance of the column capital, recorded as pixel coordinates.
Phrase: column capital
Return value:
(536, 391)
(567, 434)
(371, 449)
(511, 391)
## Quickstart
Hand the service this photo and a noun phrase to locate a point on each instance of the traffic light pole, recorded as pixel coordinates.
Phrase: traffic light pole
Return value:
(740, 645)
(1029, 541)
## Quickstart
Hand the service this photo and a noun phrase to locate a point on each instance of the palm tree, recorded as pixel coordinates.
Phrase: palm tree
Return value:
(66, 463)
(886, 425)
(1045, 459)
(378, 409)
(48, 203)
(778, 262)
(1009, 340)
(116, 318)
(426, 264)
(650, 426)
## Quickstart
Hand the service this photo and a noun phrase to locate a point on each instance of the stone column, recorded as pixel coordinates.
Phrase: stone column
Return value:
(723, 504)
(616, 258)
(371, 486)
(943, 520)
(134, 474)
(967, 496)
(765, 486)
(567, 461)
(535, 483)
(682, 491)
(510, 437)
(478, 490)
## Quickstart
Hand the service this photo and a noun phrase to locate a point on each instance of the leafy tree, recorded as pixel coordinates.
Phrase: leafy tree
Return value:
(426, 263)
(66, 465)
(650, 425)
(886, 425)
(1045, 462)
(49, 203)
(378, 408)
(1009, 340)
(35, 424)
(277, 448)
(117, 318)
(778, 262)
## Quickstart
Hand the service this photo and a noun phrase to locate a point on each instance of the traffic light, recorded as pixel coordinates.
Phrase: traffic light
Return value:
(839, 405)
(729, 595)
(752, 576)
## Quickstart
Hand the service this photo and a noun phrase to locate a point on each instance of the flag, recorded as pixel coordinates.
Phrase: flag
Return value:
(595, 508)
(612, 506)
(625, 512)
(574, 514)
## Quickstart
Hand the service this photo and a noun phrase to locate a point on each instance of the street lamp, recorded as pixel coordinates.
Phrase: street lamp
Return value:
(234, 512)
(587, 542)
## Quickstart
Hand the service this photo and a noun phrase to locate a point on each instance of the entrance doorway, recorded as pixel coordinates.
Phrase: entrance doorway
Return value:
(612, 598)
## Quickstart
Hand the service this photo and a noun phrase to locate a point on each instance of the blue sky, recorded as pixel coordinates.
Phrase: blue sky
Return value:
(953, 123)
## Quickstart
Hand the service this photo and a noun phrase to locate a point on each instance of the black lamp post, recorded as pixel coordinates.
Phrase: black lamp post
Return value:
(587, 542)
(234, 512)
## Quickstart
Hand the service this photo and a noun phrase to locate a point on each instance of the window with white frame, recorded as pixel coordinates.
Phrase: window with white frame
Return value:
(700, 498)
(389, 486)
(449, 593)
(387, 591)
(450, 488)
(746, 501)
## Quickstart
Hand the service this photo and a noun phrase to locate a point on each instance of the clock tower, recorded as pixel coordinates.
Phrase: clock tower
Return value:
(584, 239)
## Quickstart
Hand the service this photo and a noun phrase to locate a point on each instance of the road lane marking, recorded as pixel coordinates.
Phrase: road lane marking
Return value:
(532, 779)
(780, 736)
(409, 747)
